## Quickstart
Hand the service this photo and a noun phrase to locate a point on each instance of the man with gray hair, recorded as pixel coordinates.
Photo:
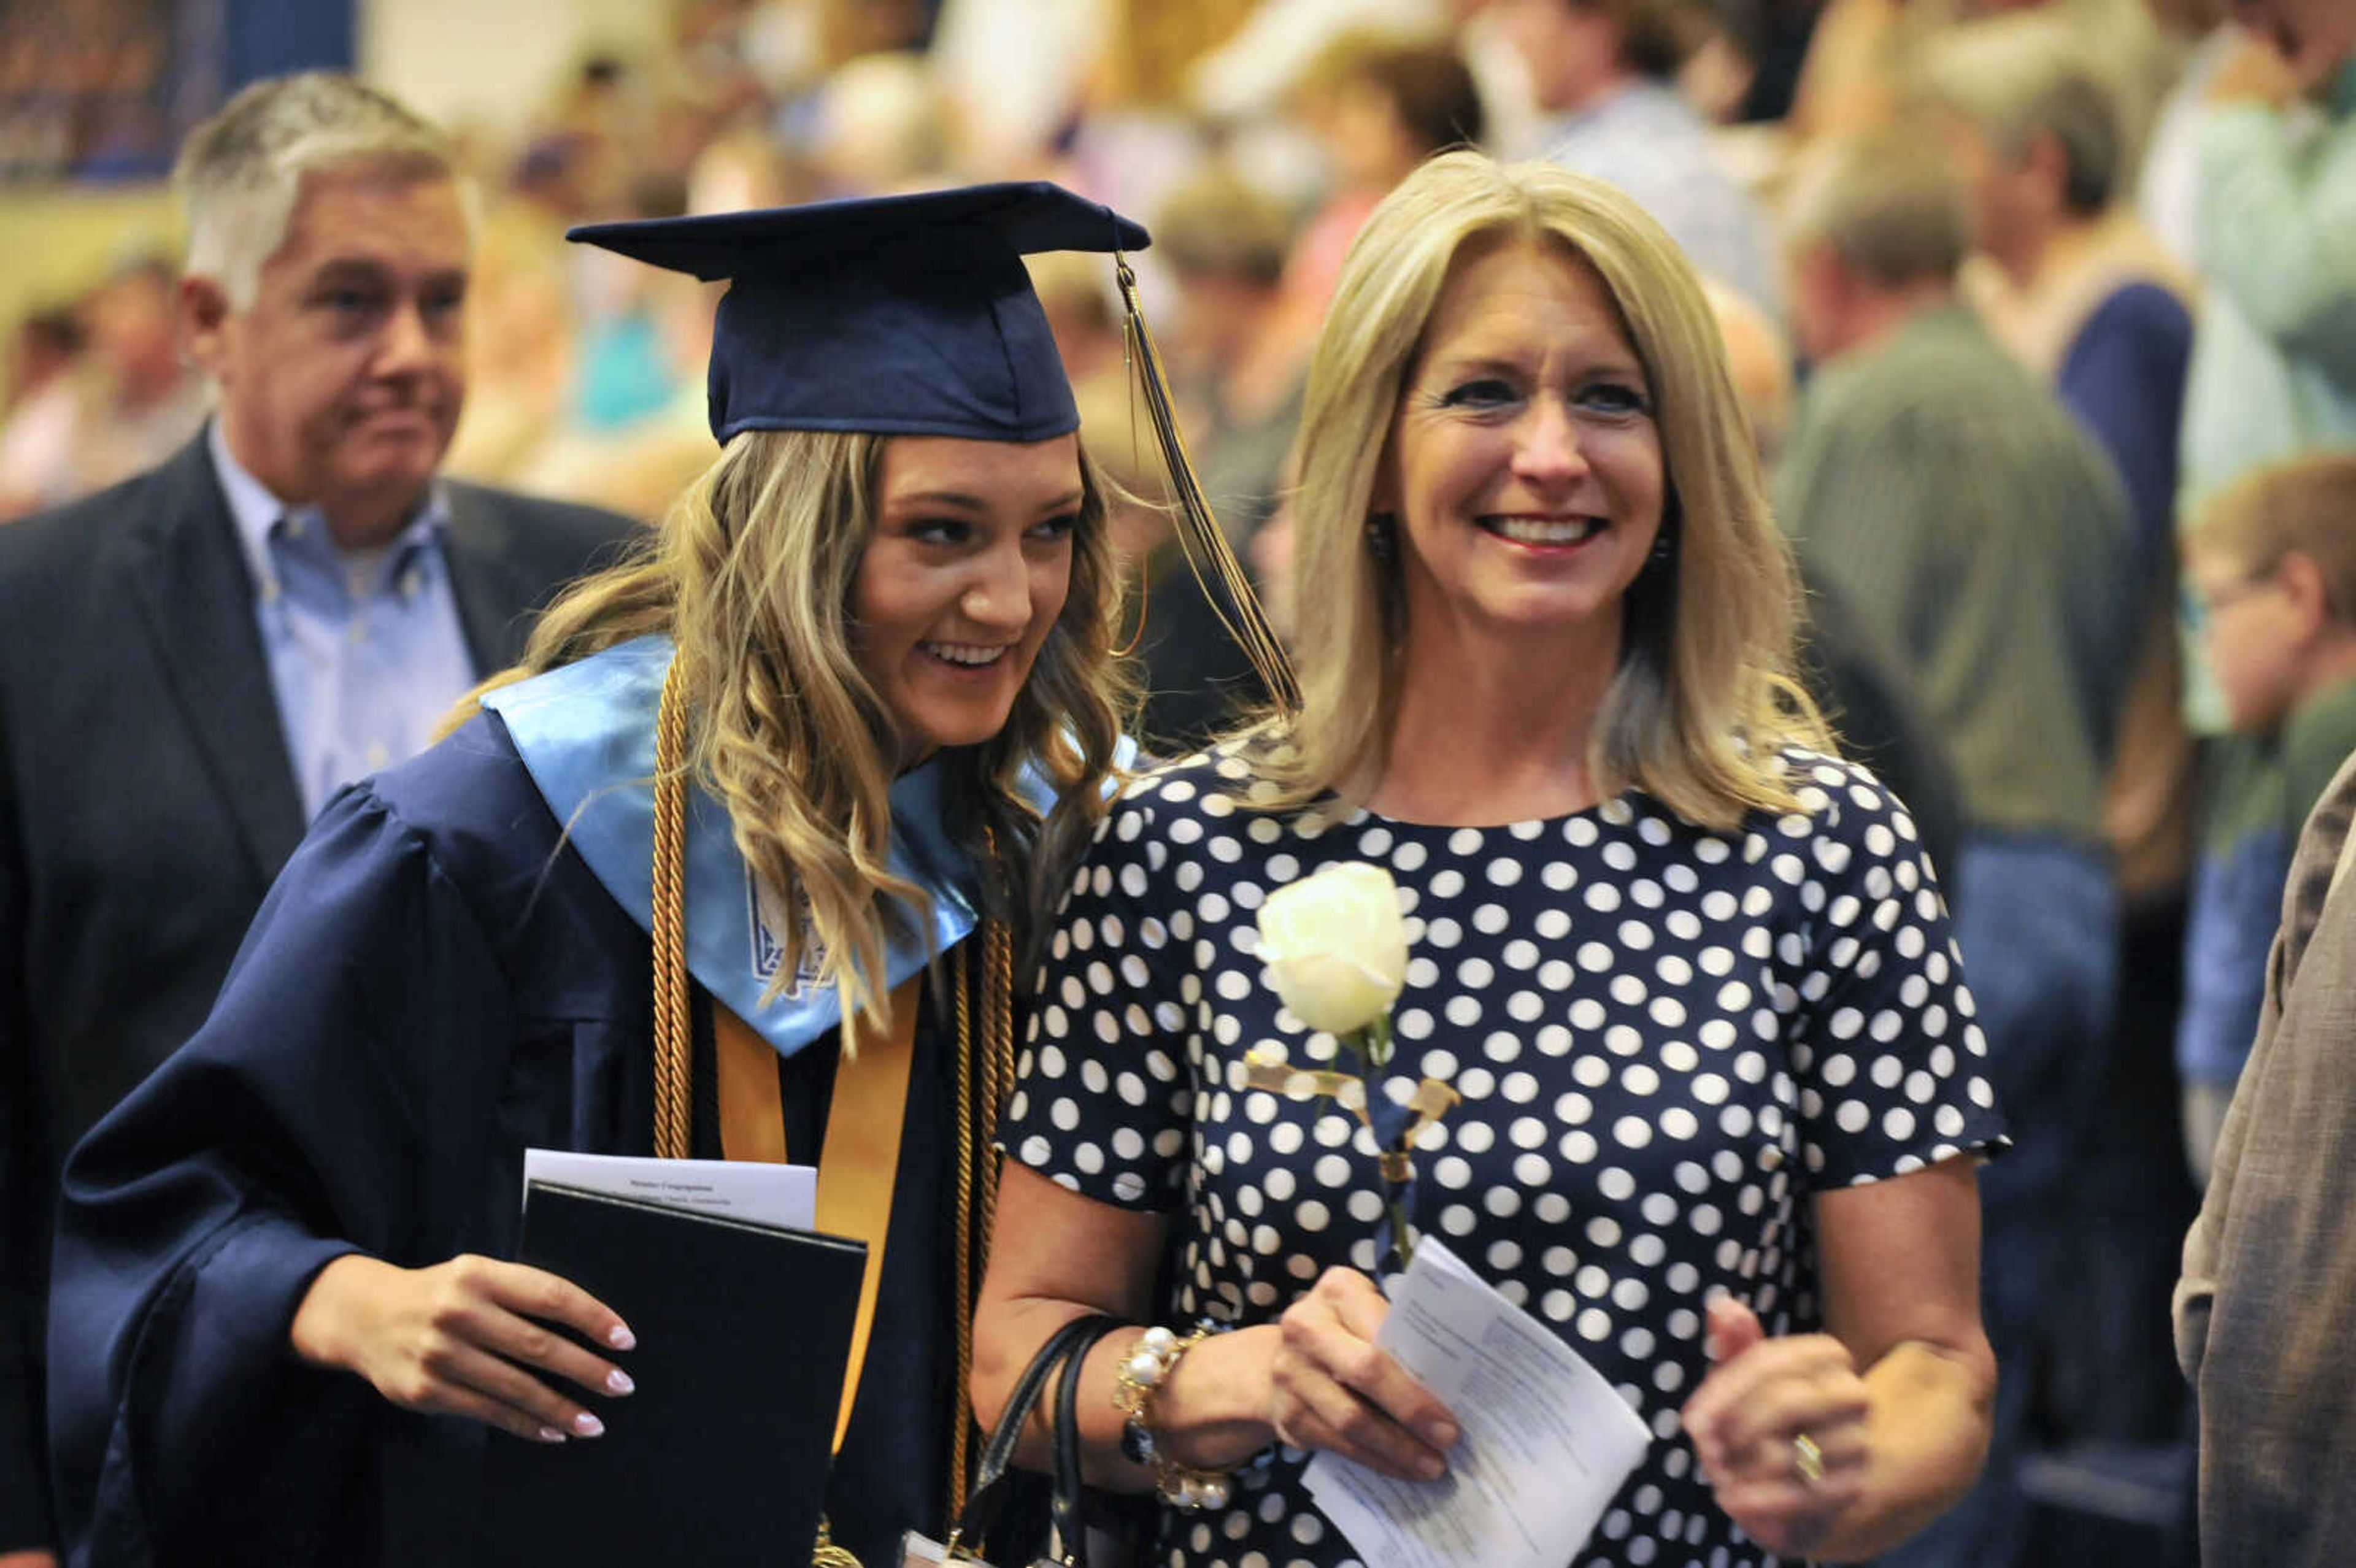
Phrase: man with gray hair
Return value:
(1983, 539)
(192, 662)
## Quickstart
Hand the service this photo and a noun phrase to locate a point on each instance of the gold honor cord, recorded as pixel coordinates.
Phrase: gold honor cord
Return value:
(669, 922)
(870, 1089)
(1208, 553)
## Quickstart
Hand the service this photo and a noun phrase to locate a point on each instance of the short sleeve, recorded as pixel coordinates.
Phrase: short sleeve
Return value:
(1891, 1067)
(1103, 1094)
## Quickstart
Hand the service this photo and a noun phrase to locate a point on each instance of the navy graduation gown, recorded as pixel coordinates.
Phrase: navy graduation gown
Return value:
(435, 983)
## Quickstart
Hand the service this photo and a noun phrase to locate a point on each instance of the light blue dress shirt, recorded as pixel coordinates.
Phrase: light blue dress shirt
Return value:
(365, 649)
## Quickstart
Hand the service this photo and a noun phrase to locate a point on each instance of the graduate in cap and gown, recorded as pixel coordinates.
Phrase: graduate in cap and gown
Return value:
(859, 689)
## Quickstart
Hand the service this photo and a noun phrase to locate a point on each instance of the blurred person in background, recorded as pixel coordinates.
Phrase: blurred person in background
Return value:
(1377, 105)
(522, 343)
(192, 662)
(1983, 539)
(2274, 362)
(2071, 282)
(2067, 278)
(2167, 183)
(2273, 376)
(1224, 245)
(2313, 37)
(1380, 100)
(147, 400)
(1014, 76)
(1863, 56)
(623, 371)
(2270, 586)
(1238, 381)
(1604, 73)
(43, 354)
(1761, 45)
(1856, 683)
(876, 126)
(132, 399)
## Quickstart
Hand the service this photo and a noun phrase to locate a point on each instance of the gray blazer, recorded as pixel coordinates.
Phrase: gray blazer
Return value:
(146, 802)
(2265, 1311)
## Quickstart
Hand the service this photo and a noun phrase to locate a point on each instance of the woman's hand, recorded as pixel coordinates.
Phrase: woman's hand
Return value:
(1779, 1427)
(457, 1339)
(1332, 1389)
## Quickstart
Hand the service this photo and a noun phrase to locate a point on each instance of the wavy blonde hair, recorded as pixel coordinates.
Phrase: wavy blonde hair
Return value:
(1705, 694)
(751, 576)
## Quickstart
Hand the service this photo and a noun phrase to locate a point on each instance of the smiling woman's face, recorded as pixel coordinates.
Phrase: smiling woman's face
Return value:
(1524, 463)
(963, 578)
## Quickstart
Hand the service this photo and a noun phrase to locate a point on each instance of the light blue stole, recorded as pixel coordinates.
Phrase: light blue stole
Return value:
(586, 734)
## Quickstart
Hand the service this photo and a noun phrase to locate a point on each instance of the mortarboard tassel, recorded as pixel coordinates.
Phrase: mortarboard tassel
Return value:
(1207, 551)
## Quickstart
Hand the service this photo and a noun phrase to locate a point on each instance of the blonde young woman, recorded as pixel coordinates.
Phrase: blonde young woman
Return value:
(871, 645)
(1721, 1094)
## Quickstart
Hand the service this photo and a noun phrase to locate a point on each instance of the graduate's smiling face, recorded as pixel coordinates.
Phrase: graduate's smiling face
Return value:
(962, 580)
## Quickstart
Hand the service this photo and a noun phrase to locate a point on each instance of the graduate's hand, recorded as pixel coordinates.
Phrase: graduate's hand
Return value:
(464, 1338)
(1751, 1416)
(1335, 1390)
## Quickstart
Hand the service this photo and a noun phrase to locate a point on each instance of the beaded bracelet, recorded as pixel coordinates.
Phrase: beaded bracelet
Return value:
(1156, 1355)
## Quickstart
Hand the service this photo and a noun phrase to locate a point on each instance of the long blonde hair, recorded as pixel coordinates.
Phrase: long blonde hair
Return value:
(751, 576)
(1705, 694)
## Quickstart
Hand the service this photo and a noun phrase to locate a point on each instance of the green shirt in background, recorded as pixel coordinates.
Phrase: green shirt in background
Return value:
(1986, 539)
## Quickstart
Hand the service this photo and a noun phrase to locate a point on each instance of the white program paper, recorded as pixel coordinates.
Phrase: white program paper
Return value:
(766, 1194)
(1546, 1441)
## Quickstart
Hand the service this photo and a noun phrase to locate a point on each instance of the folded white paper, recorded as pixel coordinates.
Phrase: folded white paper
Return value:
(746, 1189)
(1546, 1441)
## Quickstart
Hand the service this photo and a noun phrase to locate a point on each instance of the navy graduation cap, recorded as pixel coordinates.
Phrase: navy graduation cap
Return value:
(901, 315)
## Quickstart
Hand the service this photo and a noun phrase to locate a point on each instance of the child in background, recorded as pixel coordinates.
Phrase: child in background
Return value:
(2270, 584)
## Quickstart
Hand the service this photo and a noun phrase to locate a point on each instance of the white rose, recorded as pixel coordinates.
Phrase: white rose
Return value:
(1334, 945)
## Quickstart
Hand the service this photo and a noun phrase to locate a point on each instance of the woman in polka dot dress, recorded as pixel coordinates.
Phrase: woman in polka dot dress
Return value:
(1691, 975)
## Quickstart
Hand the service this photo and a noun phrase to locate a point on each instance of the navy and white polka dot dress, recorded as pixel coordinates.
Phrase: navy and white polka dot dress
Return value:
(1666, 1039)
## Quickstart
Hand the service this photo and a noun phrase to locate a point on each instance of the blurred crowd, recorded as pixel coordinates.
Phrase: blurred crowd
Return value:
(2142, 212)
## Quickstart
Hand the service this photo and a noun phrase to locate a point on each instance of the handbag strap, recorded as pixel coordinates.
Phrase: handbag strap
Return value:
(1071, 1341)
(1065, 1501)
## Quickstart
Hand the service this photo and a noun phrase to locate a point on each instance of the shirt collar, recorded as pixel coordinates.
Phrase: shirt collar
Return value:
(255, 511)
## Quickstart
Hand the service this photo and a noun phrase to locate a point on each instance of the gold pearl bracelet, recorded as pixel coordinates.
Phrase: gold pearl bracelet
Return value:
(1149, 1365)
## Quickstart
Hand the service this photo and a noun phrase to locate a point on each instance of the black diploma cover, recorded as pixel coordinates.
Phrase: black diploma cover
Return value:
(720, 1456)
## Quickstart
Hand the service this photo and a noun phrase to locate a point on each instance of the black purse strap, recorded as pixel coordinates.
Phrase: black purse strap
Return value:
(1071, 1527)
(1071, 1343)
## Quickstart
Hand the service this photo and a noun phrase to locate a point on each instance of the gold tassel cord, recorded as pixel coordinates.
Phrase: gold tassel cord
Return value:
(985, 1064)
(672, 1017)
(825, 1553)
(1207, 551)
(985, 1069)
(997, 1048)
(960, 1419)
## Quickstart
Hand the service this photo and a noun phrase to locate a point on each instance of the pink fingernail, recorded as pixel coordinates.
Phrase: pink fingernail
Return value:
(618, 1381)
(550, 1434)
(588, 1425)
(621, 1339)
